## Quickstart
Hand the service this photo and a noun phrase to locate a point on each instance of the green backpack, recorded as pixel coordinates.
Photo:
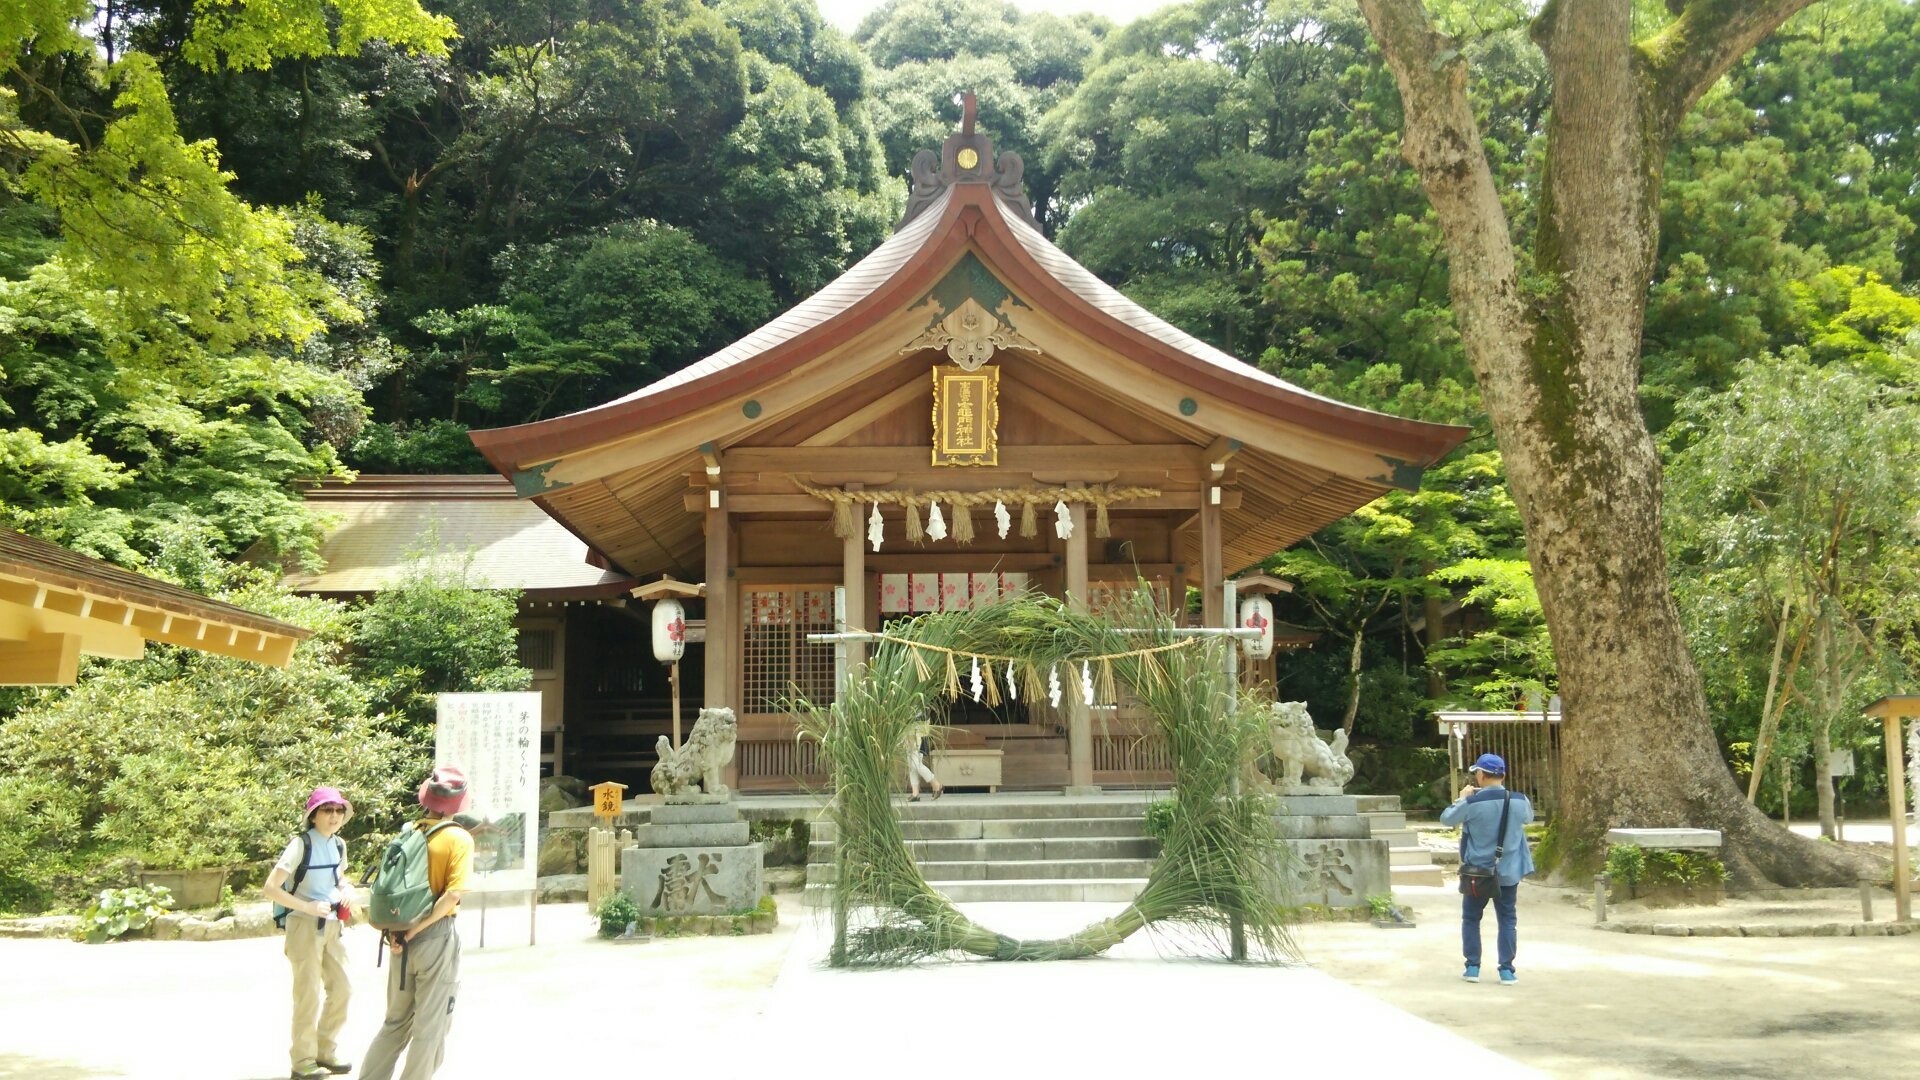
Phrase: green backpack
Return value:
(401, 894)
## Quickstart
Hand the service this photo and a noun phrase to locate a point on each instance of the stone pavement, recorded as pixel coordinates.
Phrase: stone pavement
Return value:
(1591, 1005)
(755, 1007)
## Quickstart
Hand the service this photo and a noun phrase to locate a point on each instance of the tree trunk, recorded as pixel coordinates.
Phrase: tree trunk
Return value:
(1763, 739)
(1353, 673)
(1556, 353)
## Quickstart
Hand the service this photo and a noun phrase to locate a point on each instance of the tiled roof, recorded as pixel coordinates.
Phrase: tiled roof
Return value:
(383, 522)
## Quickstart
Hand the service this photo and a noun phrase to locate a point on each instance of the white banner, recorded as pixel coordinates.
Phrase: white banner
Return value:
(495, 740)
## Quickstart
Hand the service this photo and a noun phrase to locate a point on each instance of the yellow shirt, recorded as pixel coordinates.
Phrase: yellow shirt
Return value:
(449, 858)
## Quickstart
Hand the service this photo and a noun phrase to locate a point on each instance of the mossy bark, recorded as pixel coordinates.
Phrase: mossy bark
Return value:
(1556, 351)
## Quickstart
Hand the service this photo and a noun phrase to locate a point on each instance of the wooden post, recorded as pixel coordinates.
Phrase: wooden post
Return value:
(1079, 718)
(1211, 598)
(1599, 899)
(1866, 899)
(720, 636)
(1891, 711)
(1897, 803)
(673, 676)
(853, 578)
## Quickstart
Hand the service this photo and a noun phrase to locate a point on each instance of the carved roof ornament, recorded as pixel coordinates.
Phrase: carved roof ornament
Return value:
(970, 334)
(966, 158)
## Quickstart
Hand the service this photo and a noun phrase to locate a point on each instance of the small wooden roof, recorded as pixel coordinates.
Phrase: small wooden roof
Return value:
(669, 587)
(56, 605)
(1897, 707)
(617, 474)
(381, 524)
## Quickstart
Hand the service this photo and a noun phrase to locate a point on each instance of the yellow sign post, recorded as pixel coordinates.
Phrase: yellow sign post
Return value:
(606, 800)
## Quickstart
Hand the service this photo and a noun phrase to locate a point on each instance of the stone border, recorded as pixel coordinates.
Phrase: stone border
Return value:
(672, 926)
(1772, 930)
(173, 926)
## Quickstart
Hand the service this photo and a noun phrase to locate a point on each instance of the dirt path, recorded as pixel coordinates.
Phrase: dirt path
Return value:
(1593, 1004)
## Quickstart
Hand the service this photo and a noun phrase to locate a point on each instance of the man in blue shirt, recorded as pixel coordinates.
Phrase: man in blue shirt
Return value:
(1477, 812)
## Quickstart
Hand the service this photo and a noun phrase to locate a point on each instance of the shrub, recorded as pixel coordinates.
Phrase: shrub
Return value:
(616, 913)
(117, 911)
(1157, 820)
(1627, 863)
(436, 631)
(185, 760)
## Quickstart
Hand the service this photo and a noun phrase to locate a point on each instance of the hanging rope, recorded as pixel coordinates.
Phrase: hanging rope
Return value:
(1029, 498)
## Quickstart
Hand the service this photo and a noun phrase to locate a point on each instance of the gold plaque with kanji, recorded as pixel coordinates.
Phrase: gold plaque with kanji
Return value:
(966, 416)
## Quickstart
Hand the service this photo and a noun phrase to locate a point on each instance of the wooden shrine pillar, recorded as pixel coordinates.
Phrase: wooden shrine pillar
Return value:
(1212, 603)
(720, 604)
(1894, 711)
(853, 578)
(1079, 718)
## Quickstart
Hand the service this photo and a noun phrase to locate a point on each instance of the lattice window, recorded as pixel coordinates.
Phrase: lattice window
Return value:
(1102, 595)
(536, 647)
(778, 663)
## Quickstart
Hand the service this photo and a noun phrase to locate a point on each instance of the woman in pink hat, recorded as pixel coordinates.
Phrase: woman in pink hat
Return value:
(312, 900)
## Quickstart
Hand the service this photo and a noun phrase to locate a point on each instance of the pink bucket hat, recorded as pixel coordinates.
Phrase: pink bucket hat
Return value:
(326, 796)
(444, 791)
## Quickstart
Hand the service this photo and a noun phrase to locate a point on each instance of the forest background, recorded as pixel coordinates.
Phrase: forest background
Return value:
(246, 244)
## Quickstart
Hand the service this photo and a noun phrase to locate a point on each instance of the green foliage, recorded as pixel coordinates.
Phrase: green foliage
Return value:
(1221, 858)
(186, 760)
(1157, 820)
(1627, 863)
(786, 840)
(435, 630)
(1380, 905)
(1512, 659)
(1634, 866)
(616, 913)
(116, 912)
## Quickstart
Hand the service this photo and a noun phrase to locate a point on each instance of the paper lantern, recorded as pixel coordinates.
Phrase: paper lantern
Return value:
(669, 631)
(1256, 613)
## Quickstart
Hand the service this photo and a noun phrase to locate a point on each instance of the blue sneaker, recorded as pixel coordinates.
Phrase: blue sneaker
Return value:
(1508, 978)
(1472, 974)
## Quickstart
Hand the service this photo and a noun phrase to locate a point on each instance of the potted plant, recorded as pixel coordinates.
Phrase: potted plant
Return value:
(195, 872)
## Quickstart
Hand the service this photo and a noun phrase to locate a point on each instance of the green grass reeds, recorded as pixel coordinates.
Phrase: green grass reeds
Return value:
(1220, 861)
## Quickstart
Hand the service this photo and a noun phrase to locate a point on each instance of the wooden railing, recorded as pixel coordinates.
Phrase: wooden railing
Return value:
(769, 758)
(1129, 749)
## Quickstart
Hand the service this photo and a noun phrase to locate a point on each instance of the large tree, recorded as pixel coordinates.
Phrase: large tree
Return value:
(1555, 345)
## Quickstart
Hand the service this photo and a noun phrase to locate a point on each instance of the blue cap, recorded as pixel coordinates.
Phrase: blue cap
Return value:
(1490, 763)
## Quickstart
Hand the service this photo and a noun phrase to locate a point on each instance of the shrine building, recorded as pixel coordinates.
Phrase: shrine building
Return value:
(965, 412)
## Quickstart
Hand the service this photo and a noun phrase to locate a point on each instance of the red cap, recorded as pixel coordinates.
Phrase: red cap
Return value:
(444, 791)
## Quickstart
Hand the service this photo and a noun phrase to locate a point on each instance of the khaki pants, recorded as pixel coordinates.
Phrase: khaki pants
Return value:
(420, 1009)
(319, 970)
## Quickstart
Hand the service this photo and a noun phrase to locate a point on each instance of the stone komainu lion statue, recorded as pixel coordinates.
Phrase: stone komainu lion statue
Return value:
(1300, 754)
(701, 760)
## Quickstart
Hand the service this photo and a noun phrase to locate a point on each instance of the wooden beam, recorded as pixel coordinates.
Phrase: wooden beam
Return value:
(696, 502)
(1219, 450)
(914, 389)
(1055, 458)
(40, 660)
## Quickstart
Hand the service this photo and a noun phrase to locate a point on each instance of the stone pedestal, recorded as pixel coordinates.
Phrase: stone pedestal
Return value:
(694, 859)
(1340, 865)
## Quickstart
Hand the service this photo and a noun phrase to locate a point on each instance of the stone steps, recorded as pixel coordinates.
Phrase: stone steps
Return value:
(942, 874)
(1425, 874)
(1045, 891)
(1409, 861)
(1065, 847)
(1008, 828)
